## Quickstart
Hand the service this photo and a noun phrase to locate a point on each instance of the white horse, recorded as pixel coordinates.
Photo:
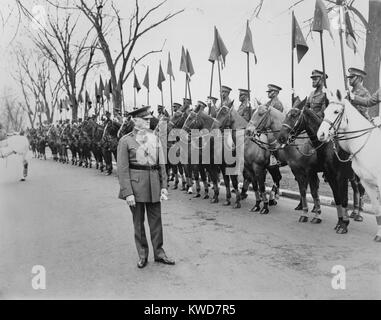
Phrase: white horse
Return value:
(19, 145)
(344, 125)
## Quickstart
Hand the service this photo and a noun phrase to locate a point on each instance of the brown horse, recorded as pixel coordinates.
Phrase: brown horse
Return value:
(267, 122)
(336, 172)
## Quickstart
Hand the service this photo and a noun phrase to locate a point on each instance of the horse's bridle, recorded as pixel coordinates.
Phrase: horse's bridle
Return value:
(295, 129)
(335, 125)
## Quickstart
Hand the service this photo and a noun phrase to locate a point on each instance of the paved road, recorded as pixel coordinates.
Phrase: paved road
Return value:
(69, 220)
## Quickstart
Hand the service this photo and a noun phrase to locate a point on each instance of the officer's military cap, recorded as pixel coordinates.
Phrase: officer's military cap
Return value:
(318, 74)
(226, 88)
(141, 113)
(273, 87)
(353, 72)
(213, 98)
(243, 91)
(201, 103)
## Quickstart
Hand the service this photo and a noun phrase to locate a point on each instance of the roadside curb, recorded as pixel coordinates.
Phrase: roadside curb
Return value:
(324, 200)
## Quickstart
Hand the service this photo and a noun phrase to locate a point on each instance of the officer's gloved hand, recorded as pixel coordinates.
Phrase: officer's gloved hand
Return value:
(131, 200)
(164, 194)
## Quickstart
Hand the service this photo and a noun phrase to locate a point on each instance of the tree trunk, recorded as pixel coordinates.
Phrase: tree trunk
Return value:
(117, 101)
(373, 51)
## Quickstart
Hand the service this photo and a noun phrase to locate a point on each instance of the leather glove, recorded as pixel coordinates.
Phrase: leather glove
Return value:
(131, 200)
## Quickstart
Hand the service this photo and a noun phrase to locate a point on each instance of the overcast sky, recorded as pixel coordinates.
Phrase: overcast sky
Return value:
(194, 29)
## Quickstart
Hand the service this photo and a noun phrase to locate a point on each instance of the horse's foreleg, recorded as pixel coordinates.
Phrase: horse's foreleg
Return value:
(303, 184)
(358, 192)
(314, 186)
(276, 176)
(260, 174)
(373, 192)
(237, 192)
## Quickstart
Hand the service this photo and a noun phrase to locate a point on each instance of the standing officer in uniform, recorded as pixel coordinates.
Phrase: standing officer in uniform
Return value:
(143, 183)
(317, 100)
(272, 93)
(355, 78)
(244, 110)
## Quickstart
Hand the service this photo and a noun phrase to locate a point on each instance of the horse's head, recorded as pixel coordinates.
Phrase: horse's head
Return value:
(266, 118)
(334, 117)
(191, 122)
(292, 125)
(224, 116)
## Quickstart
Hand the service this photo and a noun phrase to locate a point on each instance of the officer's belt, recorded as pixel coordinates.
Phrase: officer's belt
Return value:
(141, 167)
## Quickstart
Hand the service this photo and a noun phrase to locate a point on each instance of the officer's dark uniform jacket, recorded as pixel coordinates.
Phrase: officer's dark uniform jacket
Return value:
(275, 103)
(317, 101)
(368, 101)
(141, 150)
(362, 92)
(245, 111)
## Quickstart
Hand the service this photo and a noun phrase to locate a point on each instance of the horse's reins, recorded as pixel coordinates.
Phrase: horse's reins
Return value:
(335, 137)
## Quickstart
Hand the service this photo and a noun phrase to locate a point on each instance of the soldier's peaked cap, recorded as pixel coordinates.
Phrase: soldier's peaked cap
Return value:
(176, 105)
(318, 73)
(226, 88)
(244, 91)
(356, 72)
(201, 103)
(213, 98)
(141, 113)
(273, 87)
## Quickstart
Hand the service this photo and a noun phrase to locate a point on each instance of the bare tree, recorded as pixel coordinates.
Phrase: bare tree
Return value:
(72, 59)
(122, 65)
(12, 114)
(34, 77)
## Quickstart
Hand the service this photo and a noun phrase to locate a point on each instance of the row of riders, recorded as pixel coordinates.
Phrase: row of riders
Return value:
(272, 139)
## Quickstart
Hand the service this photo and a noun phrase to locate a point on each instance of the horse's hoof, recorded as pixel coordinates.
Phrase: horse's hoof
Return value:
(243, 196)
(108, 173)
(303, 219)
(197, 196)
(377, 238)
(206, 196)
(343, 227)
(214, 200)
(272, 202)
(237, 206)
(316, 209)
(299, 207)
(22, 179)
(227, 203)
(358, 218)
(352, 215)
(255, 208)
(316, 220)
(264, 211)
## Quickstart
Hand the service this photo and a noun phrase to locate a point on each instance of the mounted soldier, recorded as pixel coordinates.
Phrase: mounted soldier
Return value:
(212, 107)
(317, 101)
(273, 92)
(355, 79)
(245, 110)
(226, 101)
